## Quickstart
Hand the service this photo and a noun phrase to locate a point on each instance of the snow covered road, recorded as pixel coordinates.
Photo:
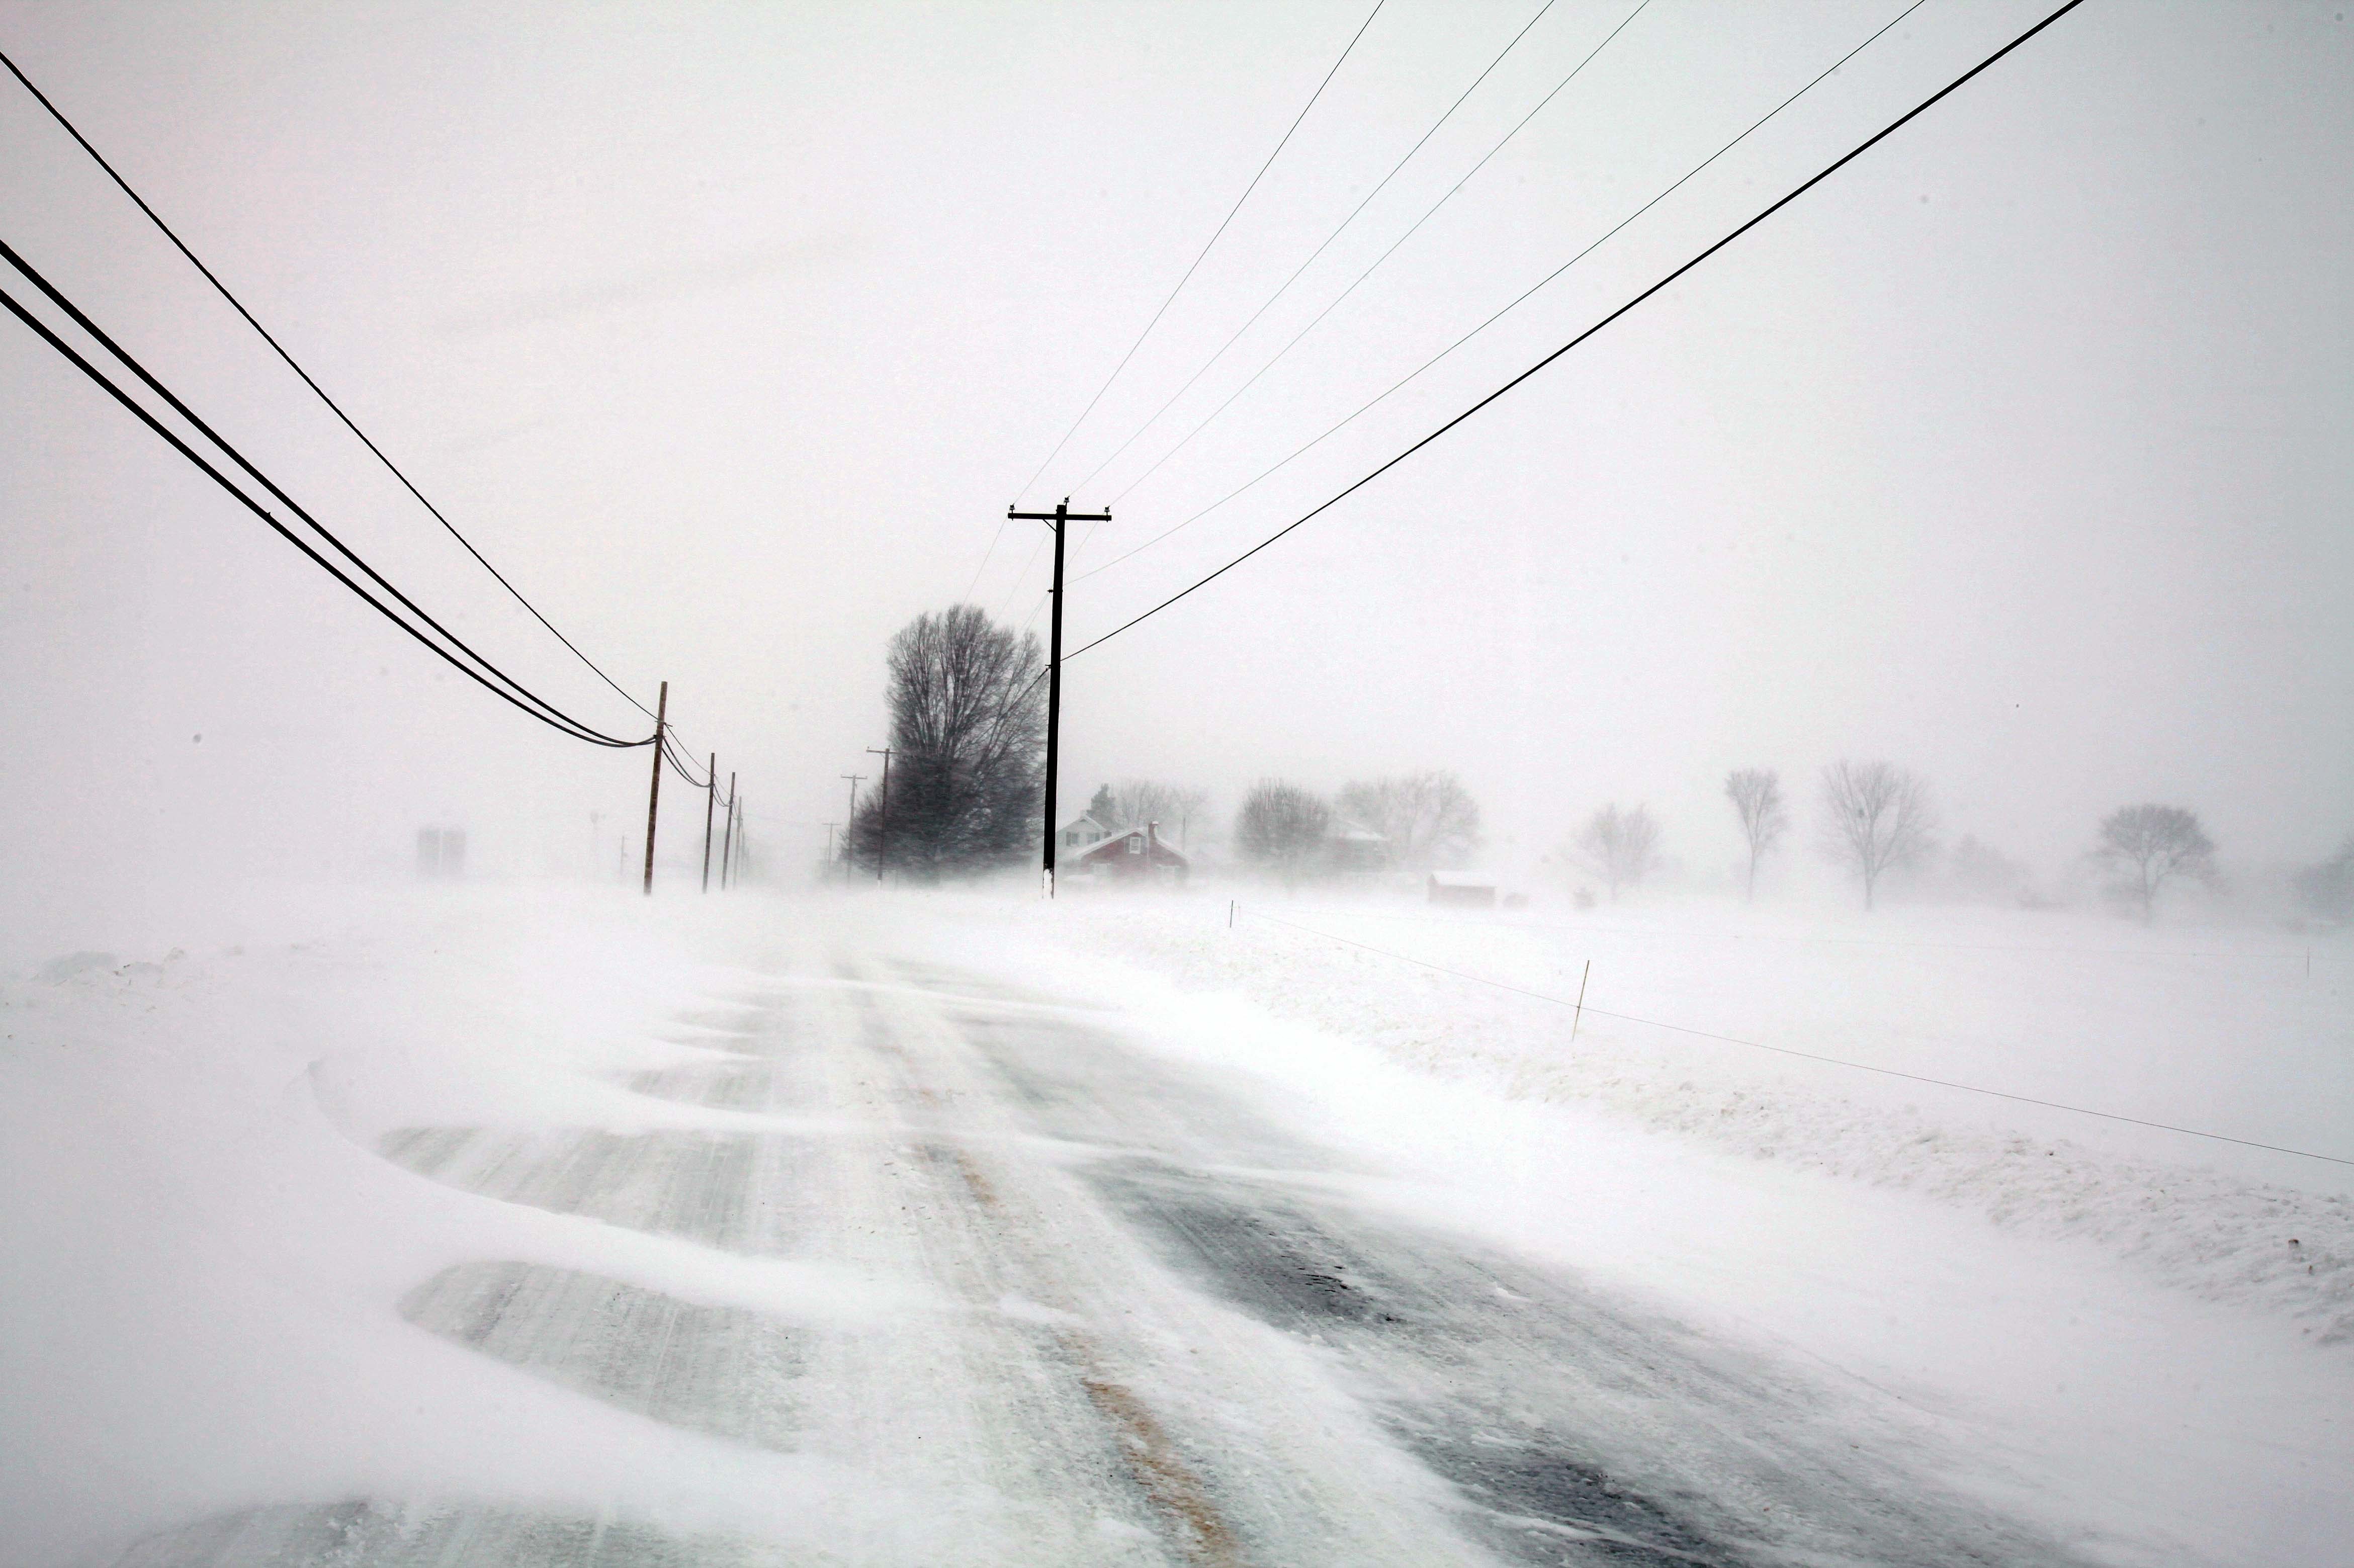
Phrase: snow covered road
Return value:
(1161, 1327)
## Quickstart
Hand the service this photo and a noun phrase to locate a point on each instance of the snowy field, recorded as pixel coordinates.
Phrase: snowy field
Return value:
(2229, 1029)
(2134, 1340)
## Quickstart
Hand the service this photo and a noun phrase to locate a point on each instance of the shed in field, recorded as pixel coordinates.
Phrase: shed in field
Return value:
(1462, 889)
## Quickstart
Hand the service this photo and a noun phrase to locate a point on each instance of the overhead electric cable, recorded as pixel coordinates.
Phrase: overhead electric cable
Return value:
(1198, 259)
(1509, 307)
(1514, 304)
(1416, 228)
(994, 540)
(1014, 591)
(1285, 285)
(9, 254)
(1863, 147)
(222, 289)
(686, 772)
(172, 438)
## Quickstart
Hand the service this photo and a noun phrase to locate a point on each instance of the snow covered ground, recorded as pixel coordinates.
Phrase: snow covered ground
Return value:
(218, 1225)
(2243, 1032)
(2158, 1327)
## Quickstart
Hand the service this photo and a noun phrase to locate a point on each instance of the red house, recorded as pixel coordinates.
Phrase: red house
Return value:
(1136, 854)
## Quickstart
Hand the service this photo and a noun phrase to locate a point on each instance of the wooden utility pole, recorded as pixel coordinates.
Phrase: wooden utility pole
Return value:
(1056, 520)
(883, 844)
(850, 825)
(653, 791)
(728, 849)
(710, 799)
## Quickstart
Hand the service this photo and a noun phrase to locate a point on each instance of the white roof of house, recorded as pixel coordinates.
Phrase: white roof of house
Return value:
(1157, 843)
(1463, 878)
(1086, 818)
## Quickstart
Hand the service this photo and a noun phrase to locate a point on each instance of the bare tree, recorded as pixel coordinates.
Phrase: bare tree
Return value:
(1980, 872)
(968, 729)
(1756, 797)
(1282, 827)
(2145, 846)
(1141, 800)
(1620, 847)
(1428, 818)
(2328, 889)
(1879, 818)
(1191, 805)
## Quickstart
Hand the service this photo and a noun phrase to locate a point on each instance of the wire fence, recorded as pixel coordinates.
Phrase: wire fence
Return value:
(1236, 908)
(2297, 955)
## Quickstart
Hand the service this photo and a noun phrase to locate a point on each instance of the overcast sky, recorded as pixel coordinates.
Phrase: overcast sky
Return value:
(2016, 452)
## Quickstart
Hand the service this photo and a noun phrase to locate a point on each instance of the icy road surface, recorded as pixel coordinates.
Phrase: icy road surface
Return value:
(1174, 1332)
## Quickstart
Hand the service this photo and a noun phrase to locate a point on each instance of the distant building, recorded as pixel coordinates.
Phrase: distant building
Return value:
(441, 853)
(1354, 849)
(1081, 831)
(1136, 854)
(1462, 889)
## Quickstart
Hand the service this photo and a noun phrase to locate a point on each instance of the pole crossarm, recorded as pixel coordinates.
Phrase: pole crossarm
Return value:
(1057, 518)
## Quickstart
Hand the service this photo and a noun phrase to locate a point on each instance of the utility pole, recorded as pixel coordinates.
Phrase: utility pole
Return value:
(710, 799)
(653, 792)
(850, 824)
(1056, 519)
(883, 849)
(829, 846)
(727, 850)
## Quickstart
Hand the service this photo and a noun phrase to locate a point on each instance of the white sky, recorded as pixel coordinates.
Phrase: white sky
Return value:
(2016, 452)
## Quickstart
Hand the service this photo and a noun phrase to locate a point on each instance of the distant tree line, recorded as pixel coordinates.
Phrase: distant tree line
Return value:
(967, 699)
(1410, 822)
(1877, 819)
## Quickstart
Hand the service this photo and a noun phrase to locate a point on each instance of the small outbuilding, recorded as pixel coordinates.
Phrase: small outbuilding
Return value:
(1462, 889)
(1135, 855)
(1355, 850)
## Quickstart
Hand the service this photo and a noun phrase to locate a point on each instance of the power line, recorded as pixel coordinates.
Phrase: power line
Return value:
(686, 772)
(1013, 589)
(1204, 251)
(1411, 232)
(986, 555)
(1285, 285)
(222, 289)
(1833, 168)
(9, 254)
(1509, 307)
(41, 329)
(1806, 1055)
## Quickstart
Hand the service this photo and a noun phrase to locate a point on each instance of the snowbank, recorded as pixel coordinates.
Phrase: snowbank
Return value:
(2223, 1030)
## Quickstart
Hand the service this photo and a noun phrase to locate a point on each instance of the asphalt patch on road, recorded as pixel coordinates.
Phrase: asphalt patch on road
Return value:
(723, 1370)
(701, 1185)
(1536, 1495)
(362, 1534)
(1575, 1429)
